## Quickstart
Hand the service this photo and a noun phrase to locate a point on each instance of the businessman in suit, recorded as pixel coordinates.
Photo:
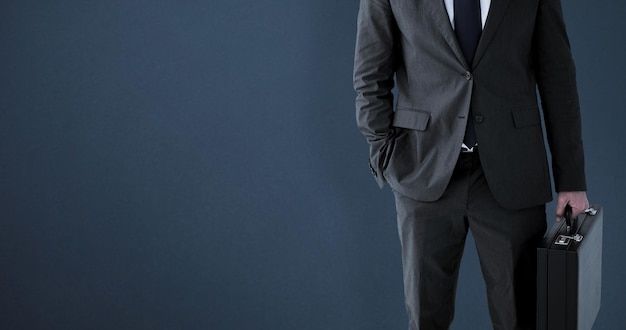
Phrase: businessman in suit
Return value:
(462, 146)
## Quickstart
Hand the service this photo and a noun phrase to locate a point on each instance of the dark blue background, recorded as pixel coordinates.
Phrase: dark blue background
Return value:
(196, 165)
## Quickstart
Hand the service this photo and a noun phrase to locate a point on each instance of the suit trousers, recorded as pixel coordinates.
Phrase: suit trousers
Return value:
(432, 236)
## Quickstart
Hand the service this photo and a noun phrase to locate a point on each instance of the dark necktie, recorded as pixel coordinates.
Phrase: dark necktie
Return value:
(468, 27)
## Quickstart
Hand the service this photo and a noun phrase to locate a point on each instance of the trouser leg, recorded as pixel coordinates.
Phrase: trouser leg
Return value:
(506, 241)
(432, 236)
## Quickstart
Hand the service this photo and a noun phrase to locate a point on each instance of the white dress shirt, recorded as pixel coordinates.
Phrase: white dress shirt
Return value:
(484, 10)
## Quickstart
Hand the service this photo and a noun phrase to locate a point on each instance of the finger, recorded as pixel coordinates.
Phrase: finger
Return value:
(579, 206)
(577, 209)
(560, 208)
(576, 212)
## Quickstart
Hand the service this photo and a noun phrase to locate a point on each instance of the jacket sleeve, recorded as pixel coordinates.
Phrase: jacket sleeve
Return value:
(556, 79)
(374, 79)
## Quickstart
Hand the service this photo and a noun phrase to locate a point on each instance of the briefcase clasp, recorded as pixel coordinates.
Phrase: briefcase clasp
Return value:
(591, 211)
(565, 240)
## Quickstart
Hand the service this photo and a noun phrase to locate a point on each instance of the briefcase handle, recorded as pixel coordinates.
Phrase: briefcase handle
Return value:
(571, 224)
(568, 219)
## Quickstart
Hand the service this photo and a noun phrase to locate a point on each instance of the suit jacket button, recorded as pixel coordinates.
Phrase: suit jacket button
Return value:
(479, 118)
(468, 75)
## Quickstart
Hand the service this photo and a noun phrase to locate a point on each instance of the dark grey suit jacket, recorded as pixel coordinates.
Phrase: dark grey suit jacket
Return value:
(415, 141)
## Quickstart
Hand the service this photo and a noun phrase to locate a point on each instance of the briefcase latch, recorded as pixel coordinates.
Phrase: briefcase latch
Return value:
(565, 240)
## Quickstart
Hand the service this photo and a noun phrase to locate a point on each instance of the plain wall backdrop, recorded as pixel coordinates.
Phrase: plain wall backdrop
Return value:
(196, 165)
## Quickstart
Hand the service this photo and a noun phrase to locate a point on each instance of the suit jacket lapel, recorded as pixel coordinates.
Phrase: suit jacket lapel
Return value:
(496, 13)
(442, 21)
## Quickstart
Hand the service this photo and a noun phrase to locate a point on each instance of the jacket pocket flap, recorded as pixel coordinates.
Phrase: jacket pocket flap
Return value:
(412, 119)
(526, 117)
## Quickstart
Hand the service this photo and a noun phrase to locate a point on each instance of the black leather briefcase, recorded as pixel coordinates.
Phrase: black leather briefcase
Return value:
(569, 273)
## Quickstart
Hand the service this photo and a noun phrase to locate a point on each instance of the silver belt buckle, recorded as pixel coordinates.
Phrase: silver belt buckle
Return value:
(465, 149)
